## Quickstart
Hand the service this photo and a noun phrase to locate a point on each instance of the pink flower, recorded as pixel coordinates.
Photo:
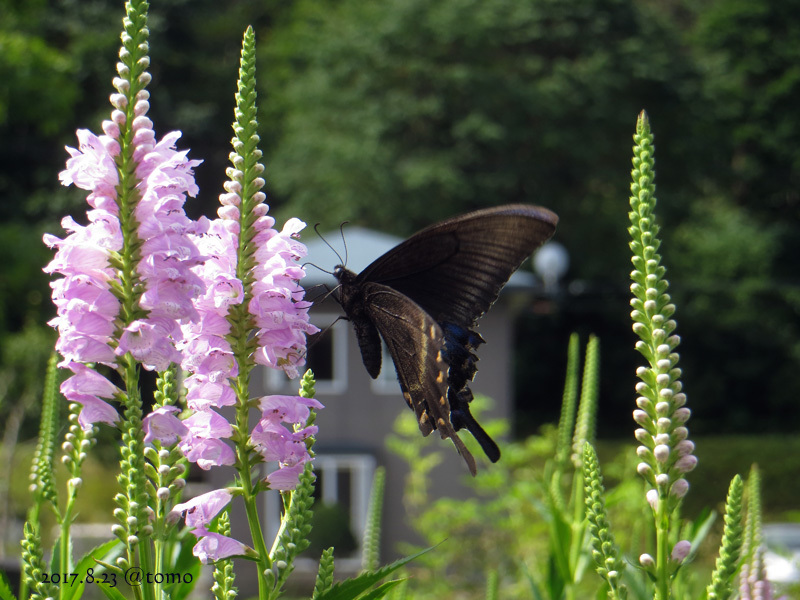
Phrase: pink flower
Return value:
(277, 304)
(289, 409)
(208, 453)
(87, 387)
(148, 341)
(201, 510)
(212, 547)
(92, 167)
(87, 305)
(204, 443)
(277, 443)
(164, 426)
(285, 478)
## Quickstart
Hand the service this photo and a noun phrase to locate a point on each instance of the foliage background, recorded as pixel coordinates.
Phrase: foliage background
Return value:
(398, 113)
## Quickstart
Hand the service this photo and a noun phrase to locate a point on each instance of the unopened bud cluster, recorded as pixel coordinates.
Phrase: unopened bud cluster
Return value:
(665, 452)
(605, 553)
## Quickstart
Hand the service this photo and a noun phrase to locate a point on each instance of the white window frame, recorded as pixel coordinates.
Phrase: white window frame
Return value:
(362, 468)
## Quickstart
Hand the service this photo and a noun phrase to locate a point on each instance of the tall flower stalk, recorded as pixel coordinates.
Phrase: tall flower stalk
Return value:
(126, 281)
(666, 453)
(251, 276)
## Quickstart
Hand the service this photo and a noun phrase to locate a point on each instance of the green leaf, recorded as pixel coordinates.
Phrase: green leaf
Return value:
(111, 593)
(381, 590)
(536, 591)
(351, 588)
(90, 560)
(5, 588)
(699, 530)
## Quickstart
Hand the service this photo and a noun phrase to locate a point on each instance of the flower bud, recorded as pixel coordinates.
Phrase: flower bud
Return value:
(686, 463)
(679, 488)
(682, 414)
(661, 452)
(118, 101)
(680, 433)
(681, 550)
(652, 498)
(647, 561)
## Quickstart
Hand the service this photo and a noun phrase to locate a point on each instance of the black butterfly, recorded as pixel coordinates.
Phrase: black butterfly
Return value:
(423, 298)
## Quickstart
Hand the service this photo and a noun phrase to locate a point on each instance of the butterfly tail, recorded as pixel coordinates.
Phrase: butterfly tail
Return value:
(462, 418)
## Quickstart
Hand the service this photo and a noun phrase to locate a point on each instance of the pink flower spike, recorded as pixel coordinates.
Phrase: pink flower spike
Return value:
(201, 510)
(214, 546)
(164, 426)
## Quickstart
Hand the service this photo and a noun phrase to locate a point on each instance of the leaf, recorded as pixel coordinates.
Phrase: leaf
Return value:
(700, 528)
(184, 563)
(90, 560)
(5, 588)
(536, 591)
(381, 590)
(351, 588)
(111, 593)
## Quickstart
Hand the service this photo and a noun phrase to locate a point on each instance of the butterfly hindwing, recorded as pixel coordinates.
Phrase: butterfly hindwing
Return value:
(415, 342)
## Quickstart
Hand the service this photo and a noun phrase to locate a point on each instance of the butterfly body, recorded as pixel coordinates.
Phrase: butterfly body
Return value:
(424, 297)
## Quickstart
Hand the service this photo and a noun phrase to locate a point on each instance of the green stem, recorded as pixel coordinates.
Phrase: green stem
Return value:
(249, 492)
(662, 551)
(578, 527)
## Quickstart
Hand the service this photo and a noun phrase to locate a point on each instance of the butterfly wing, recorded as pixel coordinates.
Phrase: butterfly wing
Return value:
(415, 342)
(454, 270)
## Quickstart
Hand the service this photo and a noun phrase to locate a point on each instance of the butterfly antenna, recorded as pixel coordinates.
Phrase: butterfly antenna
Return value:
(339, 256)
(303, 266)
(344, 242)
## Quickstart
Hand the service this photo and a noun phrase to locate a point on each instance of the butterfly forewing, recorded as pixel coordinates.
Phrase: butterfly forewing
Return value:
(455, 269)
